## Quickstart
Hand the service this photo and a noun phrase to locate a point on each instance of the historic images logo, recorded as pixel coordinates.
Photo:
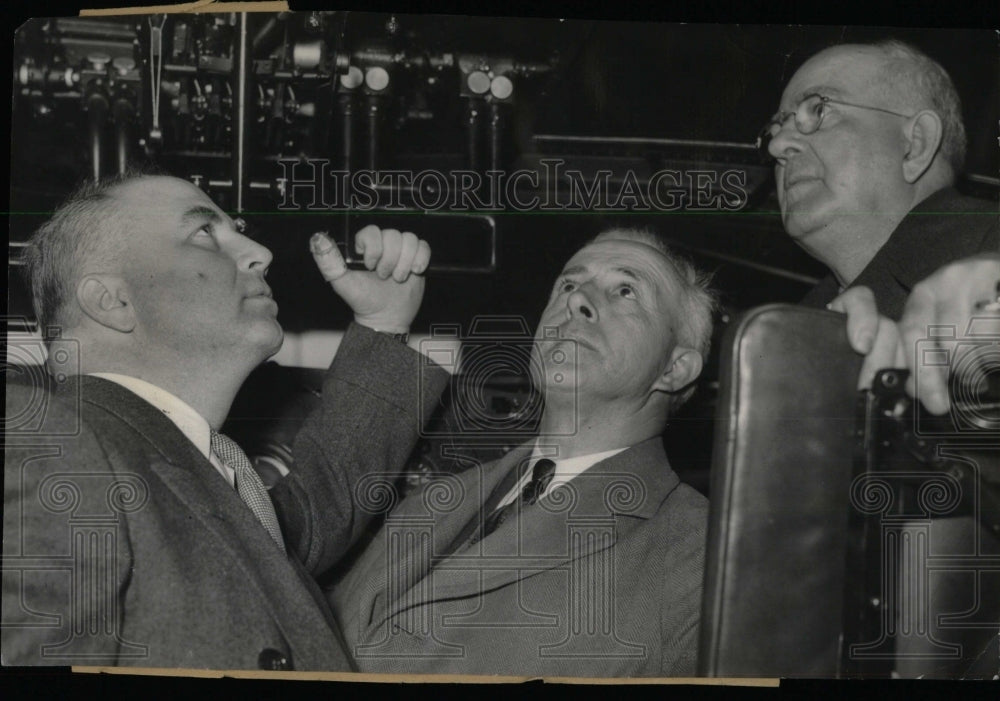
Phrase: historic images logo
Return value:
(311, 185)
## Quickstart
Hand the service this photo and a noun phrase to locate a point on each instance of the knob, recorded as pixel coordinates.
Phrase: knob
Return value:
(98, 60)
(123, 64)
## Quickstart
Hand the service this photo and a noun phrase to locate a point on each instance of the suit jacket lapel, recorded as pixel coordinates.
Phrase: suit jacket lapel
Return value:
(182, 467)
(632, 483)
(220, 512)
(409, 568)
(503, 475)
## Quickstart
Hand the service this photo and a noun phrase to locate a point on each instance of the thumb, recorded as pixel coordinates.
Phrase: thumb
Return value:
(863, 321)
(327, 256)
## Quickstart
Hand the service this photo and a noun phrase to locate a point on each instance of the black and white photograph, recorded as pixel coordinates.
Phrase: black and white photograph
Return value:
(384, 343)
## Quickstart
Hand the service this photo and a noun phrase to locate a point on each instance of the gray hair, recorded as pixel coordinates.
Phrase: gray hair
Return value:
(910, 72)
(84, 230)
(698, 300)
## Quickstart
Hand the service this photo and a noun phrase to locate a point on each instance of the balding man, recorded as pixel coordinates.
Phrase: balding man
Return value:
(867, 144)
(134, 532)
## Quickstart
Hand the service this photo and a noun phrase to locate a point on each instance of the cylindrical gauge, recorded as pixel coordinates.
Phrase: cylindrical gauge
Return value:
(478, 82)
(123, 113)
(474, 126)
(308, 54)
(377, 78)
(496, 135)
(374, 114)
(97, 111)
(347, 119)
(353, 78)
(501, 87)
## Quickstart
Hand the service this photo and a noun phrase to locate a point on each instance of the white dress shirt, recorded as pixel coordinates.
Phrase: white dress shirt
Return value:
(190, 422)
(566, 470)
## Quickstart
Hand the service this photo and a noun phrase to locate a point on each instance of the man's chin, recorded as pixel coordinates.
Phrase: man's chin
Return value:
(807, 213)
(801, 222)
(271, 342)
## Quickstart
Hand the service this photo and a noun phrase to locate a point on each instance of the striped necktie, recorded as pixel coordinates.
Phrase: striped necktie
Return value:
(248, 484)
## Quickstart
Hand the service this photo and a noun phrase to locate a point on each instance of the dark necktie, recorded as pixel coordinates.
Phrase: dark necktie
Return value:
(248, 484)
(541, 475)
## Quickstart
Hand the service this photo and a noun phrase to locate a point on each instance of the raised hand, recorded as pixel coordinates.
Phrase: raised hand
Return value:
(386, 296)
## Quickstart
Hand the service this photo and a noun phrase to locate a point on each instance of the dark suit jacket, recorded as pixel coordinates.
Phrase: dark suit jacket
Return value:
(601, 578)
(943, 228)
(124, 546)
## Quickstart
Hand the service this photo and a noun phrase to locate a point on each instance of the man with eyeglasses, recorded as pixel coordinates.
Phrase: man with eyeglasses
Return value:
(866, 146)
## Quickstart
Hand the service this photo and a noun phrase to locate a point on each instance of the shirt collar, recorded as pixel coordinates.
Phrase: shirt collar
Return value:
(566, 468)
(192, 424)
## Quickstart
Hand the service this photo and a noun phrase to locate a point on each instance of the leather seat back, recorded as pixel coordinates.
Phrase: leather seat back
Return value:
(781, 469)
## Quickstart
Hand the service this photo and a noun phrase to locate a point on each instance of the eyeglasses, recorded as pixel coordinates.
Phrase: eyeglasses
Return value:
(809, 116)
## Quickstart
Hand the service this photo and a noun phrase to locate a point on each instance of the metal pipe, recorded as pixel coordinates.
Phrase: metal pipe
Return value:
(983, 179)
(345, 102)
(473, 132)
(374, 114)
(97, 113)
(497, 124)
(122, 114)
(557, 138)
(241, 104)
(267, 33)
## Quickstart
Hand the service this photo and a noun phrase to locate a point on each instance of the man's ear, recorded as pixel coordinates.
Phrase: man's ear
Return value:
(104, 299)
(923, 137)
(683, 369)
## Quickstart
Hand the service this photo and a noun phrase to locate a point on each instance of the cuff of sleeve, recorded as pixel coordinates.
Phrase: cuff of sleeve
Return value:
(384, 366)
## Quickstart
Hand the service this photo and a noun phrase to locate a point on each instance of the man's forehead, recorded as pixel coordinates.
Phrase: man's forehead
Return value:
(162, 191)
(162, 203)
(620, 254)
(841, 71)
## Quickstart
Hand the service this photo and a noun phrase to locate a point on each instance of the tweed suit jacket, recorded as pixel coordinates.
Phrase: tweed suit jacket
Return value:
(601, 578)
(124, 546)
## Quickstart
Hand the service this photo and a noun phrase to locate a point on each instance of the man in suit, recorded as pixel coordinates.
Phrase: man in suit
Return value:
(134, 533)
(867, 144)
(580, 553)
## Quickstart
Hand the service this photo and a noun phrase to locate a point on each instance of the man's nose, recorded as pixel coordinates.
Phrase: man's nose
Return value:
(254, 256)
(580, 305)
(786, 143)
